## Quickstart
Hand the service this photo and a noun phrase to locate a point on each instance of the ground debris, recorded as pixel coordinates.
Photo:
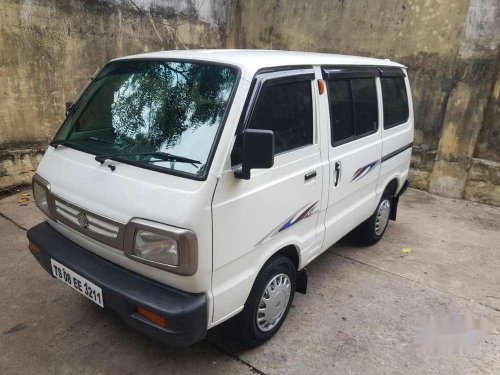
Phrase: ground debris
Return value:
(405, 251)
(24, 199)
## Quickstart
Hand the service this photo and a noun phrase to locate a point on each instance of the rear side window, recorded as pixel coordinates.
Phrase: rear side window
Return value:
(364, 94)
(285, 109)
(395, 101)
(353, 108)
(341, 111)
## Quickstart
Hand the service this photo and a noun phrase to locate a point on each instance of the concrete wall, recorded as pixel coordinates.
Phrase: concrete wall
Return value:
(469, 125)
(50, 47)
(451, 48)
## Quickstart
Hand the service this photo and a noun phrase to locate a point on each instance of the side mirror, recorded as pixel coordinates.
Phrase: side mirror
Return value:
(257, 151)
(68, 107)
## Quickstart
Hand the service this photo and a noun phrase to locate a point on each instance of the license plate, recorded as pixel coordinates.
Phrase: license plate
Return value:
(77, 282)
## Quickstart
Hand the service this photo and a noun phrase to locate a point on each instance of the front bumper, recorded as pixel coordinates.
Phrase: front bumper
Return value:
(124, 291)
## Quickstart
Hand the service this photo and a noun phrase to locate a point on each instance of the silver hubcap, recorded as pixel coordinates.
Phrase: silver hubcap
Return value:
(382, 216)
(273, 302)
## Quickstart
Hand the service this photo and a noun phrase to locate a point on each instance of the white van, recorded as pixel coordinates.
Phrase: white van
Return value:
(185, 188)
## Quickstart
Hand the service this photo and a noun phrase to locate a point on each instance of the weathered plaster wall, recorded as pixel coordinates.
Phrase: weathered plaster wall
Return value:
(50, 48)
(469, 110)
(451, 49)
(483, 180)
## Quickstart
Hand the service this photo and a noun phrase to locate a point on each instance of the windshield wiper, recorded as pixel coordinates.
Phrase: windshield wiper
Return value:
(160, 155)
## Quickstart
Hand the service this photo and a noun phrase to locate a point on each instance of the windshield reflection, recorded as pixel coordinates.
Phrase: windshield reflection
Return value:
(153, 106)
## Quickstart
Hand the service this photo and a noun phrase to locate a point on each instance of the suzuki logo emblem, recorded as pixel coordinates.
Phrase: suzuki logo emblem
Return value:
(82, 220)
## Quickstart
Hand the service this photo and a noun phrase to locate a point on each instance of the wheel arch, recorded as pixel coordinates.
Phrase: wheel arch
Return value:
(393, 186)
(292, 252)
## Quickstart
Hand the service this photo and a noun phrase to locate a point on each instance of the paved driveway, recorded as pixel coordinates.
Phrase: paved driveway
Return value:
(367, 309)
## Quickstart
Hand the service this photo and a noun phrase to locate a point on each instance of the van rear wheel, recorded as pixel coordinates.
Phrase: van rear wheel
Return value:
(372, 230)
(269, 301)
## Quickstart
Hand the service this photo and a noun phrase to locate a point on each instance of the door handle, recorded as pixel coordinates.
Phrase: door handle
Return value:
(336, 174)
(310, 175)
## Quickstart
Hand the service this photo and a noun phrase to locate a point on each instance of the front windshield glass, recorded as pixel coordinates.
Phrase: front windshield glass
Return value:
(141, 107)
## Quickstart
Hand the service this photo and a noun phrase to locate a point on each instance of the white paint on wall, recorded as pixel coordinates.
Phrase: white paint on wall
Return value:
(482, 27)
(210, 11)
(26, 10)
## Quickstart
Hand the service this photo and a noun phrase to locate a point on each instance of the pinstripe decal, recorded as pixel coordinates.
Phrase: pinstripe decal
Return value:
(363, 171)
(307, 211)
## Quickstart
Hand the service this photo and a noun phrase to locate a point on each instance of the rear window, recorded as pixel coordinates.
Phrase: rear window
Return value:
(353, 108)
(395, 101)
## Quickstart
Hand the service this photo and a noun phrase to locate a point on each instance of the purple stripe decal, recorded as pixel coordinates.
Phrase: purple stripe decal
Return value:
(363, 171)
(307, 211)
(302, 216)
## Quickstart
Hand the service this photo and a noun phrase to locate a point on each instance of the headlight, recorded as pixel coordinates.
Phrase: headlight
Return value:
(162, 246)
(41, 194)
(41, 198)
(157, 248)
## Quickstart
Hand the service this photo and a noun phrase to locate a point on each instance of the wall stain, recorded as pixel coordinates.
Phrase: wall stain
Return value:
(16, 328)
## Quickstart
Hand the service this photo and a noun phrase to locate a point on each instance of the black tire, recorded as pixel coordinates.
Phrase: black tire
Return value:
(365, 234)
(248, 331)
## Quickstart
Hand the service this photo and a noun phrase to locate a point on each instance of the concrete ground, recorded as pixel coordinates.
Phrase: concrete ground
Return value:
(366, 311)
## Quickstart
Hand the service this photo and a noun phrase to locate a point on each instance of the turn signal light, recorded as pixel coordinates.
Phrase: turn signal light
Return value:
(152, 317)
(321, 86)
(35, 250)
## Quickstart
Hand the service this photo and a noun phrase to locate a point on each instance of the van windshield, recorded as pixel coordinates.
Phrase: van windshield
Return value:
(139, 109)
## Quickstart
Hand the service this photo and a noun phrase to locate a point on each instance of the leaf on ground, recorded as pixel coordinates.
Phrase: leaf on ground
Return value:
(406, 250)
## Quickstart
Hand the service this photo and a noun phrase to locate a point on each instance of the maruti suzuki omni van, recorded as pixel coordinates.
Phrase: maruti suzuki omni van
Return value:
(185, 188)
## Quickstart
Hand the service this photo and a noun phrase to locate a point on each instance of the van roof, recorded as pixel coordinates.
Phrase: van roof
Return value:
(250, 61)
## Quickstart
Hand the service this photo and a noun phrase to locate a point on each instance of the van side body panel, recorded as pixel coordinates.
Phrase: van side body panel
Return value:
(253, 219)
(244, 210)
(352, 194)
(395, 163)
(246, 215)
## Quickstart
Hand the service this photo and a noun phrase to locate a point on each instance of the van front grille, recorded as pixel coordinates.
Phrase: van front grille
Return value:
(92, 225)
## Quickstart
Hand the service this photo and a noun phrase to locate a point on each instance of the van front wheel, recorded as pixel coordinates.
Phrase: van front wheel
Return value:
(269, 301)
(371, 231)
